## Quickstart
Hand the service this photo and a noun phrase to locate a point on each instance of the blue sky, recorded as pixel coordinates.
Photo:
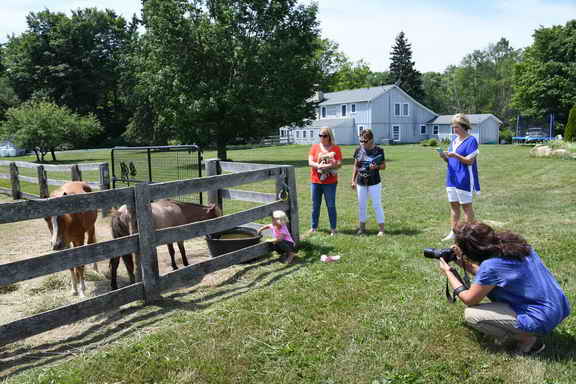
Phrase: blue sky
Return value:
(441, 32)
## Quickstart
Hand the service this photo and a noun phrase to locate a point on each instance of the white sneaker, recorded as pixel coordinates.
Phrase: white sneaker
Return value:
(449, 236)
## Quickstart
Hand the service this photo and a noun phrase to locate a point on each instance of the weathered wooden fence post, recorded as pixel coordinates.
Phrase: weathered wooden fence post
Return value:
(212, 169)
(75, 173)
(104, 183)
(147, 241)
(293, 202)
(14, 181)
(42, 182)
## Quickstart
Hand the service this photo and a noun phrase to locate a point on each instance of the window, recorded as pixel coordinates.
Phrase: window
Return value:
(297, 134)
(397, 109)
(405, 109)
(303, 134)
(311, 133)
(422, 129)
(343, 110)
(282, 133)
(353, 108)
(435, 130)
(360, 129)
(323, 112)
(396, 132)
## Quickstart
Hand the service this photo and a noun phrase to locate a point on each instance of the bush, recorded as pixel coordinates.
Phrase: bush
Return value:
(570, 130)
(506, 136)
(429, 143)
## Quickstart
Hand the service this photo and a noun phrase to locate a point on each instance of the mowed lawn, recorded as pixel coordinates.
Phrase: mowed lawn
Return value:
(379, 315)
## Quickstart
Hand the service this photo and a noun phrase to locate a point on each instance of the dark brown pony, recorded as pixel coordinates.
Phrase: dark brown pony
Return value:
(72, 228)
(166, 213)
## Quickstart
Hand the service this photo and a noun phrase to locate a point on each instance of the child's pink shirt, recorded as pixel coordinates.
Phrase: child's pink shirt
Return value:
(283, 230)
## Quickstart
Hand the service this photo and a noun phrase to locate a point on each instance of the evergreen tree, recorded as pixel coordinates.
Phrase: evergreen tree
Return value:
(402, 70)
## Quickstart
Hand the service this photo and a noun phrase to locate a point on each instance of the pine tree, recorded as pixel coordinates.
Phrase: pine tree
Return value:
(402, 70)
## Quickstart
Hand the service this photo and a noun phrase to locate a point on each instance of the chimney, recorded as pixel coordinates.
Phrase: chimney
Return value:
(318, 96)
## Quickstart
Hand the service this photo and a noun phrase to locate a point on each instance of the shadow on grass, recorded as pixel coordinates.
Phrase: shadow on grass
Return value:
(125, 322)
(387, 232)
(560, 347)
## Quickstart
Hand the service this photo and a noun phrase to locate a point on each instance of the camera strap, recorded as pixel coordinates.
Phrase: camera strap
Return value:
(466, 282)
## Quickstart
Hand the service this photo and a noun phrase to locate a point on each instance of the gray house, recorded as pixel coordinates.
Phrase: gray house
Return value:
(392, 114)
(486, 127)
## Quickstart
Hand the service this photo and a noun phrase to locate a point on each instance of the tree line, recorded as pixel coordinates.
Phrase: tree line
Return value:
(217, 72)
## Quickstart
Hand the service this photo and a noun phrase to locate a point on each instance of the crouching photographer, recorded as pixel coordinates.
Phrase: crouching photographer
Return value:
(526, 300)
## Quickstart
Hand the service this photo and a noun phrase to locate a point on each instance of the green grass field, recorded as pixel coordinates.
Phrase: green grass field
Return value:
(379, 315)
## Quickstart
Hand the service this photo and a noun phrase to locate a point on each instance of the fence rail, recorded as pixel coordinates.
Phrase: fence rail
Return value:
(43, 181)
(144, 243)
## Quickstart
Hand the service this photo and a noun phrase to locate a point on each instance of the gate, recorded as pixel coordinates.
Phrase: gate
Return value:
(132, 165)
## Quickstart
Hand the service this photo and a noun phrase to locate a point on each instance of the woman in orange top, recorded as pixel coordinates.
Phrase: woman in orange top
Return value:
(324, 160)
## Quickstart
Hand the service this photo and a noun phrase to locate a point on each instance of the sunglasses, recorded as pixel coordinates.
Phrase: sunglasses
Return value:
(365, 141)
(323, 136)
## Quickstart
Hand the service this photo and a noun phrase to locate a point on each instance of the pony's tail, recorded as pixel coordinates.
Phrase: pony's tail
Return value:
(119, 227)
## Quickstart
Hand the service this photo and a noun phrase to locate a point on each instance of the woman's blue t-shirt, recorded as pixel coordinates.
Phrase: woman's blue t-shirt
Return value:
(529, 288)
(459, 175)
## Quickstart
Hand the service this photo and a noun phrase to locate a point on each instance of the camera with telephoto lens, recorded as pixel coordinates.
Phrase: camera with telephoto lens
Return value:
(447, 254)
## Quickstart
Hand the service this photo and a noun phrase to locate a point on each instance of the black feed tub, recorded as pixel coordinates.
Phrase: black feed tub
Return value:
(232, 240)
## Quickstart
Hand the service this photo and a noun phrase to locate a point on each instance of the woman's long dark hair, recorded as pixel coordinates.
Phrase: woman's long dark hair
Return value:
(478, 242)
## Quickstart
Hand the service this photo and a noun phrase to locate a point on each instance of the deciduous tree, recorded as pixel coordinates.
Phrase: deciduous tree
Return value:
(218, 70)
(43, 126)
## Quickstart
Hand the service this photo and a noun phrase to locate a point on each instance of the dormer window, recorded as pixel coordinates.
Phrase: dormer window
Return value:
(344, 110)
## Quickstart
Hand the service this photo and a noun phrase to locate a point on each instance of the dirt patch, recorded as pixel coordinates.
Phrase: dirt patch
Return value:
(23, 240)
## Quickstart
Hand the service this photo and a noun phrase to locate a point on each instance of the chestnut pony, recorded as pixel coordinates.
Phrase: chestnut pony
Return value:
(166, 213)
(72, 228)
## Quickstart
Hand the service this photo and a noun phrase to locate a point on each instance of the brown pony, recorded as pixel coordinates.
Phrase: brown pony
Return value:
(71, 228)
(166, 213)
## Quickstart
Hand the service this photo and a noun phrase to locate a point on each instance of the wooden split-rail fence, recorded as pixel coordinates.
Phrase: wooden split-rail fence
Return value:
(151, 284)
(41, 178)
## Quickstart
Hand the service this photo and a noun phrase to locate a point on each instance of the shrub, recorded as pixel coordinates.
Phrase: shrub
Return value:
(506, 136)
(429, 143)
(570, 130)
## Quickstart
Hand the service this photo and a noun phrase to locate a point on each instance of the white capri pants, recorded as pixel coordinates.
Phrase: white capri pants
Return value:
(372, 192)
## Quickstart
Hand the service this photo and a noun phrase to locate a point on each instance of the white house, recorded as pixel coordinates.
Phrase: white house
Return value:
(9, 149)
(391, 113)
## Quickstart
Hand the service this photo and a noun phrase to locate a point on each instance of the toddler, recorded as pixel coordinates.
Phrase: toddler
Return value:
(283, 242)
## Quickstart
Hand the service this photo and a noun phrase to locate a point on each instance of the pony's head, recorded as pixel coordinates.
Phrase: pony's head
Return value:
(56, 227)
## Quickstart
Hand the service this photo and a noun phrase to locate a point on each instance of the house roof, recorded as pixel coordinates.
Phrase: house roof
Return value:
(354, 95)
(326, 123)
(474, 118)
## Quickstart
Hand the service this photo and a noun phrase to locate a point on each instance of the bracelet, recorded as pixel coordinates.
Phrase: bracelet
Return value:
(459, 290)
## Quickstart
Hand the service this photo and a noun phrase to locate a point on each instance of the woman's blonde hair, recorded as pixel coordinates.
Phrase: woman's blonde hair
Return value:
(280, 216)
(328, 131)
(461, 120)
